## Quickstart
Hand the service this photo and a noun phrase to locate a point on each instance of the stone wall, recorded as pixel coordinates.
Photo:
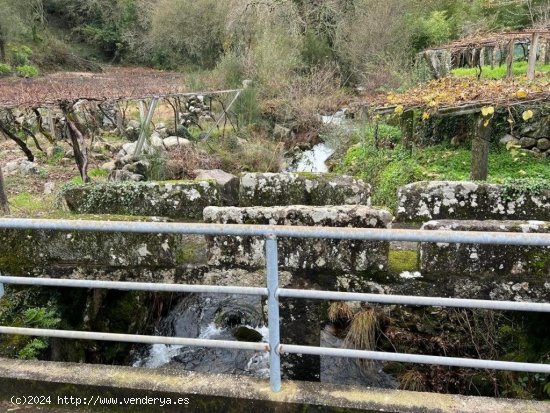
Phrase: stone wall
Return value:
(181, 200)
(422, 201)
(185, 200)
(45, 252)
(478, 260)
(301, 254)
(275, 189)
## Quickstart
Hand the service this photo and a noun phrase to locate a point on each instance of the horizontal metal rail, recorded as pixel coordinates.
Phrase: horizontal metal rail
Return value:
(273, 292)
(133, 338)
(281, 231)
(133, 286)
(418, 359)
(415, 300)
(284, 293)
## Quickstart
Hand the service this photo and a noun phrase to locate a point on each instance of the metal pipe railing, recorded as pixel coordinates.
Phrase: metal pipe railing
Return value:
(273, 292)
(282, 231)
(284, 293)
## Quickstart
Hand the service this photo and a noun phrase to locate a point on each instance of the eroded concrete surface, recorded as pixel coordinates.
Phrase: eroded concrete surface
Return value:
(224, 393)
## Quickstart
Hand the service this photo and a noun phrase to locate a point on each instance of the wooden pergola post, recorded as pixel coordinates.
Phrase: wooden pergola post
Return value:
(407, 128)
(510, 59)
(4, 205)
(480, 149)
(145, 125)
(533, 56)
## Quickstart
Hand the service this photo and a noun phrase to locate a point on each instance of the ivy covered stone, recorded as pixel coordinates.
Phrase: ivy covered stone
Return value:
(181, 200)
(486, 259)
(517, 200)
(301, 254)
(273, 189)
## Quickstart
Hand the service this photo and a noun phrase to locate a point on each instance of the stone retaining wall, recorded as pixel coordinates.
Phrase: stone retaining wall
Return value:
(479, 260)
(42, 252)
(301, 254)
(422, 201)
(182, 200)
(276, 189)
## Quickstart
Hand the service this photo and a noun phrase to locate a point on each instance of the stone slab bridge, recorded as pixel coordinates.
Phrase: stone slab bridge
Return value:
(356, 262)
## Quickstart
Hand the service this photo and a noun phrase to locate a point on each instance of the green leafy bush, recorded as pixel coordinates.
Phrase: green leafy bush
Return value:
(19, 55)
(26, 71)
(5, 69)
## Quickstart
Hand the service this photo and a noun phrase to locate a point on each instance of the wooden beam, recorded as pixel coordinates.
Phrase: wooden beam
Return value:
(533, 56)
(145, 127)
(4, 205)
(480, 149)
(510, 59)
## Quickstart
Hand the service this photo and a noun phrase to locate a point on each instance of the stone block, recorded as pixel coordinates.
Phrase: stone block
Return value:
(274, 189)
(485, 259)
(228, 183)
(427, 200)
(301, 254)
(180, 200)
(52, 252)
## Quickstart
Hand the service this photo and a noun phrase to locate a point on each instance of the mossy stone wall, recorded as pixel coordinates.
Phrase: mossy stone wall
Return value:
(426, 200)
(180, 200)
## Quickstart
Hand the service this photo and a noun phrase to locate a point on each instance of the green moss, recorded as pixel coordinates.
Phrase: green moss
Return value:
(188, 254)
(316, 176)
(539, 262)
(399, 261)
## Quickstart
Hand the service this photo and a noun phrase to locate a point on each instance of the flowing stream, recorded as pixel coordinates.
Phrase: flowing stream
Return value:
(214, 317)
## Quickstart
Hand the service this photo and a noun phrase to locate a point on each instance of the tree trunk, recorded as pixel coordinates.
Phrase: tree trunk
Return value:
(533, 56)
(77, 140)
(480, 150)
(6, 131)
(547, 55)
(494, 51)
(2, 49)
(510, 59)
(4, 206)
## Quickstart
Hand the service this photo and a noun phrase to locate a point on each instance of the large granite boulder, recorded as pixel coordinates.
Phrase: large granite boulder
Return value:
(301, 254)
(181, 200)
(273, 189)
(422, 201)
(486, 259)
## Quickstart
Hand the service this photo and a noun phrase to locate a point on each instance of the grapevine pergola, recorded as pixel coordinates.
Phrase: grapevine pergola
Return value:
(71, 92)
(454, 96)
(477, 49)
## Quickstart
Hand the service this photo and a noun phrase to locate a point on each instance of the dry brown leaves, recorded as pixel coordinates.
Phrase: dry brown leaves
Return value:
(455, 92)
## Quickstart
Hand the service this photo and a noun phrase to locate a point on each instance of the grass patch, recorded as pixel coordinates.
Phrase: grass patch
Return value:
(388, 169)
(400, 261)
(97, 173)
(28, 204)
(499, 72)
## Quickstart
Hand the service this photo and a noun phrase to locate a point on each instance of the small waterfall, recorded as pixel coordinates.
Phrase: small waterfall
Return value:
(215, 318)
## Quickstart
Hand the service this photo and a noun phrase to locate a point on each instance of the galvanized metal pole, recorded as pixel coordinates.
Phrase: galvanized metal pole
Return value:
(1, 290)
(272, 265)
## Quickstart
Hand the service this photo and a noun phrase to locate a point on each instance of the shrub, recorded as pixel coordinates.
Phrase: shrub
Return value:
(26, 71)
(231, 69)
(5, 69)
(19, 55)
(188, 32)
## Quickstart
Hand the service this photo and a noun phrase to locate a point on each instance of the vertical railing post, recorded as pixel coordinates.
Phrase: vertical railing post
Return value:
(272, 265)
(1, 288)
